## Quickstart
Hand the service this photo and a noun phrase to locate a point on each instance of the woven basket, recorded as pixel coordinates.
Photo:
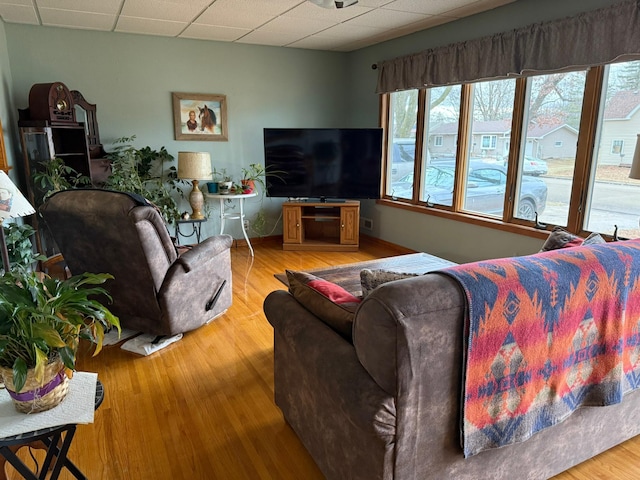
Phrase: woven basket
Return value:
(38, 402)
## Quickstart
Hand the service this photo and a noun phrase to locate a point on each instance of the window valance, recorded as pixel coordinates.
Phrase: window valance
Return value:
(591, 38)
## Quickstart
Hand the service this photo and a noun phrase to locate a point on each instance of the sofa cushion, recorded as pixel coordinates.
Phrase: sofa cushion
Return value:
(560, 238)
(371, 279)
(329, 302)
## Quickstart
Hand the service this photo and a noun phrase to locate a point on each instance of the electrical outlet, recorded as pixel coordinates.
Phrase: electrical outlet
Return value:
(366, 223)
(246, 224)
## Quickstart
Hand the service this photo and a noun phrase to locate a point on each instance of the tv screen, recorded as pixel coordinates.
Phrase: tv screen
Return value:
(323, 163)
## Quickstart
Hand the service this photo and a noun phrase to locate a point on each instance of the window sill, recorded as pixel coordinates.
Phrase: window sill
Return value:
(468, 218)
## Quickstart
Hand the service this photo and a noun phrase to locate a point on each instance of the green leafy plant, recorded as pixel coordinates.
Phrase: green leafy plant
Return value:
(144, 171)
(42, 317)
(55, 176)
(18, 240)
(259, 174)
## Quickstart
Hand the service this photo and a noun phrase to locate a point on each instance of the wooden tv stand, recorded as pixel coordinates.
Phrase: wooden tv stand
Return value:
(329, 226)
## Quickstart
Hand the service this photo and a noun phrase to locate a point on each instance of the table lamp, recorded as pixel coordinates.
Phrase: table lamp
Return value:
(12, 205)
(195, 166)
(635, 163)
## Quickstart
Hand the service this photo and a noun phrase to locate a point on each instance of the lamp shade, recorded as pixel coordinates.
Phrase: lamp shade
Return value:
(194, 165)
(12, 202)
(635, 164)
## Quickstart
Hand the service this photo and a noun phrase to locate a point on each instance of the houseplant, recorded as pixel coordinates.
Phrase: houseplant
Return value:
(42, 320)
(142, 171)
(19, 246)
(257, 173)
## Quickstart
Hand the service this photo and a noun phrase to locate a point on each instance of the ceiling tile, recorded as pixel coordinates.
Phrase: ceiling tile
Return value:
(19, 14)
(317, 43)
(432, 7)
(350, 32)
(71, 19)
(386, 19)
(476, 7)
(213, 32)
(335, 15)
(232, 10)
(149, 27)
(94, 6)
(17, 2)
(301, 26)
(270, 38)
(174, 10)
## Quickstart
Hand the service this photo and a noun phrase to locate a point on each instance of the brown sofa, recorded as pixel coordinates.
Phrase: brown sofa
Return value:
(388, 405)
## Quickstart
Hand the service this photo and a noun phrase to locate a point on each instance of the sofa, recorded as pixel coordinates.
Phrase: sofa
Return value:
(386, 403)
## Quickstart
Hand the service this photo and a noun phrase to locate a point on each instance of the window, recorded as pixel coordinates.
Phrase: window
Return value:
(402, 145)
(553, 148)
(489, 141)
(616, 147)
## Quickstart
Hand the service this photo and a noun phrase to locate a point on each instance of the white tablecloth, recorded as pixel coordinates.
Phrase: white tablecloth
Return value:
(77, 407)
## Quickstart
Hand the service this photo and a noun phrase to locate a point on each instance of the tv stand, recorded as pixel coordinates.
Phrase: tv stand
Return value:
(317, 225)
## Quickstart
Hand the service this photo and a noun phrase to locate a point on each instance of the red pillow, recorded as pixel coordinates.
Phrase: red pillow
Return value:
(329, 302)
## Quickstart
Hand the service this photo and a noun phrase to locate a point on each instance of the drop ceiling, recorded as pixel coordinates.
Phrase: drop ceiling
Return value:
(283, 23)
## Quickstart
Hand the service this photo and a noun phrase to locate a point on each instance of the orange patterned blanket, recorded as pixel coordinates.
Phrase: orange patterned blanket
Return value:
(548, 333)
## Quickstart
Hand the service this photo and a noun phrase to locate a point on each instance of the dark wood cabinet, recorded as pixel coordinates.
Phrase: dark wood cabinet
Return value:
(41, 143)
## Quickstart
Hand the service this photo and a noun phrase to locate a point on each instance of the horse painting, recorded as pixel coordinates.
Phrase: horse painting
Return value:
(207, 119)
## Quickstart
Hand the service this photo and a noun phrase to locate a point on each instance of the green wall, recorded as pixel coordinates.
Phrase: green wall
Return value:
(130, 78)
(6, 106)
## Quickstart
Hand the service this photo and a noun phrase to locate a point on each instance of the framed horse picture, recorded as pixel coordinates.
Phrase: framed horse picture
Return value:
(198, 116)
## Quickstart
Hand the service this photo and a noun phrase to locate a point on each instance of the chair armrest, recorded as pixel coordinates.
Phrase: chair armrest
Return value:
(204, 251)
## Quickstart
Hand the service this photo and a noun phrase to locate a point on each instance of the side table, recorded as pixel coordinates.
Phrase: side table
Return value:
(57, 441)
(233, 215)
(196, 225)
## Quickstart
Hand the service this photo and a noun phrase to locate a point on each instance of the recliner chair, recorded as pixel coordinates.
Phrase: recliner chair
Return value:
(154, 290)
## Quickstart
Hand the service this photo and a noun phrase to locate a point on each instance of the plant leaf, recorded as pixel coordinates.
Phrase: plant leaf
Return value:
(19, 374)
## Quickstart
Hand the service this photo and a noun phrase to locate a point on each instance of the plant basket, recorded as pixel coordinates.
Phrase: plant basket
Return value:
(38, 396)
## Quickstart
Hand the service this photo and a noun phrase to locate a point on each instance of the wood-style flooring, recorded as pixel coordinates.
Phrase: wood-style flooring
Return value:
(203, 408)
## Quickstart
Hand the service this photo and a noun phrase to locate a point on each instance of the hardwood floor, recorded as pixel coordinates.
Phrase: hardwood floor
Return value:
(203, 407)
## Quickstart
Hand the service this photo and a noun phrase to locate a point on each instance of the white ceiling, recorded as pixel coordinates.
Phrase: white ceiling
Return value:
(283, 23)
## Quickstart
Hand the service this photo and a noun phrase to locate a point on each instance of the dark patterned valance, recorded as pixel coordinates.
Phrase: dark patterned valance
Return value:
(591, 38)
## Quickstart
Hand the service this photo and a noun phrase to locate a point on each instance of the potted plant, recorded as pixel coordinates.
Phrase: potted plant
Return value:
(257, 173)
(226, 184)
(42, 320)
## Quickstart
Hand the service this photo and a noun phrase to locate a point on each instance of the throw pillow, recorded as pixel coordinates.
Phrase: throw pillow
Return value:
(329, 302)
(594, 239)
(560, 238)
(371, 279)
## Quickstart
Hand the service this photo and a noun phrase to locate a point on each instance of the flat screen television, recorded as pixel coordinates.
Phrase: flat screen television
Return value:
(323, 163)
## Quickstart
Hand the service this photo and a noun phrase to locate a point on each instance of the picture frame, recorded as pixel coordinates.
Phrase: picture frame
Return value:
(199, 116)
(4, 164)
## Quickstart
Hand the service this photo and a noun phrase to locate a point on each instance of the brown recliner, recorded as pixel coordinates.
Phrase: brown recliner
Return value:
(154, 290)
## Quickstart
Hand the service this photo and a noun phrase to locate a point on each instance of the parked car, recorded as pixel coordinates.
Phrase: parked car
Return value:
(403, 155)
(534, 166)
(486, 185)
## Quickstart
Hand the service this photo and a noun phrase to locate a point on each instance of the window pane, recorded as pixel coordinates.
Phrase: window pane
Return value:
(548, 156)
(485, 184)
(614, 199)
(441, 132)
(402, 147)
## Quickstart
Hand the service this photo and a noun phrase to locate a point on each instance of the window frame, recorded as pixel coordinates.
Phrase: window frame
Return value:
(582, 171)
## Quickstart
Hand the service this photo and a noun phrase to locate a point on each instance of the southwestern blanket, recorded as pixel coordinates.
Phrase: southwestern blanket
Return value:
(547, 333)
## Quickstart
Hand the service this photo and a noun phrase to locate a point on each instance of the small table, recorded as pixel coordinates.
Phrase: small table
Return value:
(234, 215)
(196, 225)
(56, 443)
